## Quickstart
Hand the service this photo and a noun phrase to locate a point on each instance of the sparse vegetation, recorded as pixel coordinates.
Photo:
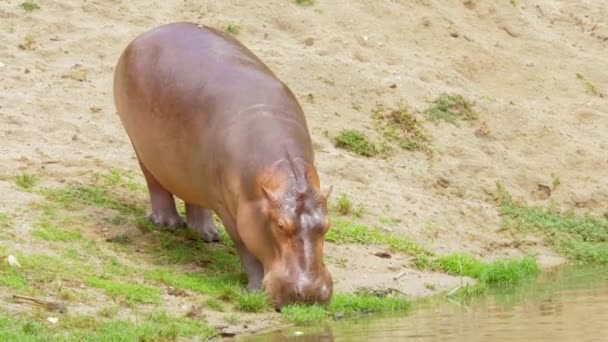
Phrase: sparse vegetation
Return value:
(343, 231)
(29, 6)
(356, 142)
(515, 3)
(5, 221)
(305, 2)
(582, 238)
(345, 305)
(345, 207)
(233, 28)
(590, 86)
(131, 292)
(401, 127)
(451, 108)
(26, 181)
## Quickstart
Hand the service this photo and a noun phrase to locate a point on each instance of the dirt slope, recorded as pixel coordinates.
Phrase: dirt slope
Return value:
(518, 63)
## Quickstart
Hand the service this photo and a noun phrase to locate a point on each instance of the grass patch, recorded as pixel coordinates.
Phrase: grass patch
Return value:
(345, 305)
(5, 221)
(233, 29)
(345, 232)
(498, 273)
(29, 6)
(401, 127)
(305, 2)
(214, 304)
(74, 195)
(451, 108)
(589, 85)
(356, 142)
(48, 232)
(251, 301)
(26, 181)
(582, 238)
(130, 292)
(345, 207)
(155, 326)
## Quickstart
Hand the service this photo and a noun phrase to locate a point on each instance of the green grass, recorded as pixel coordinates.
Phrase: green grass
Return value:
(305, 2)
(581, 238)
(347, 232)
(589, 85)
(451, 108)
(155, 326)
(498, 273)
(5, 220)
(344, 206)
(346, 305)
(214, 304)
(131, 292)
(233, 28)
(78, 195)
(401, 127)
(251, 301)
(357, 142)
(26, 181)
(48, 232)
(29, 6)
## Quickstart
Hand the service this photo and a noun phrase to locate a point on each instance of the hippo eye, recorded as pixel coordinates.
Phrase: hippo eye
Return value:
(281, 224)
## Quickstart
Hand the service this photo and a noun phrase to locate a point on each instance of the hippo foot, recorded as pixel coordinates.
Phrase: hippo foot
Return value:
(200, 221)
(206, 231)
(167, 222)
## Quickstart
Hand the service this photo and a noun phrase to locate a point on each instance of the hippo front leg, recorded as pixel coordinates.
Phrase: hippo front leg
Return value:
(253, 267)
(200, 220)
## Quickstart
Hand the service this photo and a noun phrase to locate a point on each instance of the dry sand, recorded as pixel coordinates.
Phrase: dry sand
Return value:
(519, 63)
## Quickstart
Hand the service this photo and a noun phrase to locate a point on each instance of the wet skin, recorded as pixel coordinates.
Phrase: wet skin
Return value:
(212, 125)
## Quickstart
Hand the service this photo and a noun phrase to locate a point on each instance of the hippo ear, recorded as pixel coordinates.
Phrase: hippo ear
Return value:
(327, 192)
(270, 196)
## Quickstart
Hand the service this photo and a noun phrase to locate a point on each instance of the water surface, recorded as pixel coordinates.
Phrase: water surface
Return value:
(568, 304)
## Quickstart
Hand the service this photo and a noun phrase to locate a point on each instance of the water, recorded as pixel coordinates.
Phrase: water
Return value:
(568, 304)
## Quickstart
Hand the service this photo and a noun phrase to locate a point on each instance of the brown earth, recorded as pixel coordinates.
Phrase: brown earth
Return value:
(518, 63)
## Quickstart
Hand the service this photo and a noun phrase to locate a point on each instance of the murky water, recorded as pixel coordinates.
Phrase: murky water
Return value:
(569, 304)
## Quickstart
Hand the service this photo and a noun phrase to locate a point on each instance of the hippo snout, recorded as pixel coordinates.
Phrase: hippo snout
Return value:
(300, 289)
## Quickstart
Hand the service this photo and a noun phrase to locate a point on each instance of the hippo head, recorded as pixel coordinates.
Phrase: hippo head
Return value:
(295, 221)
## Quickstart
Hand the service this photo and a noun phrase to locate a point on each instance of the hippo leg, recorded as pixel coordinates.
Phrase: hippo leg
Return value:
(253, 267)
(164, 213)
(200, 220)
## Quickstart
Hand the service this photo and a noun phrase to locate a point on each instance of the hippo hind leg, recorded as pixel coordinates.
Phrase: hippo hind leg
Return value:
(200, 221)
(164, 214)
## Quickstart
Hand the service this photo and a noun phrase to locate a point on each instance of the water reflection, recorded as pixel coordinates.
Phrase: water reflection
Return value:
(569, 304)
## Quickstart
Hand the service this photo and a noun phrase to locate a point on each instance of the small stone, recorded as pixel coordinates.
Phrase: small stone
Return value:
(53, 320)
(298, 333)
(12, 260)
(309, 41)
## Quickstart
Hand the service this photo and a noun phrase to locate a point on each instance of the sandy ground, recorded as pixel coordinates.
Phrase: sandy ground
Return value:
(518, 63)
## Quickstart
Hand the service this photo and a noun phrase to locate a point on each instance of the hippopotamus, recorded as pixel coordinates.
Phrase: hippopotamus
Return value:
(212, 125)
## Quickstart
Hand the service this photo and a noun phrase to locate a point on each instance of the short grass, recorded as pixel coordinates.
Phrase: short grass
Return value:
(345, 207)
(6, 221)
(26, 181)
(233, 28)
(400, 127)
(345, 305)
(49, 232)
(582, 238)
(589, 85)
(155, 326)
(130, 292)
(357, 142)
(305, 2)
(345, 231)
(29, 6)
(451, 108)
